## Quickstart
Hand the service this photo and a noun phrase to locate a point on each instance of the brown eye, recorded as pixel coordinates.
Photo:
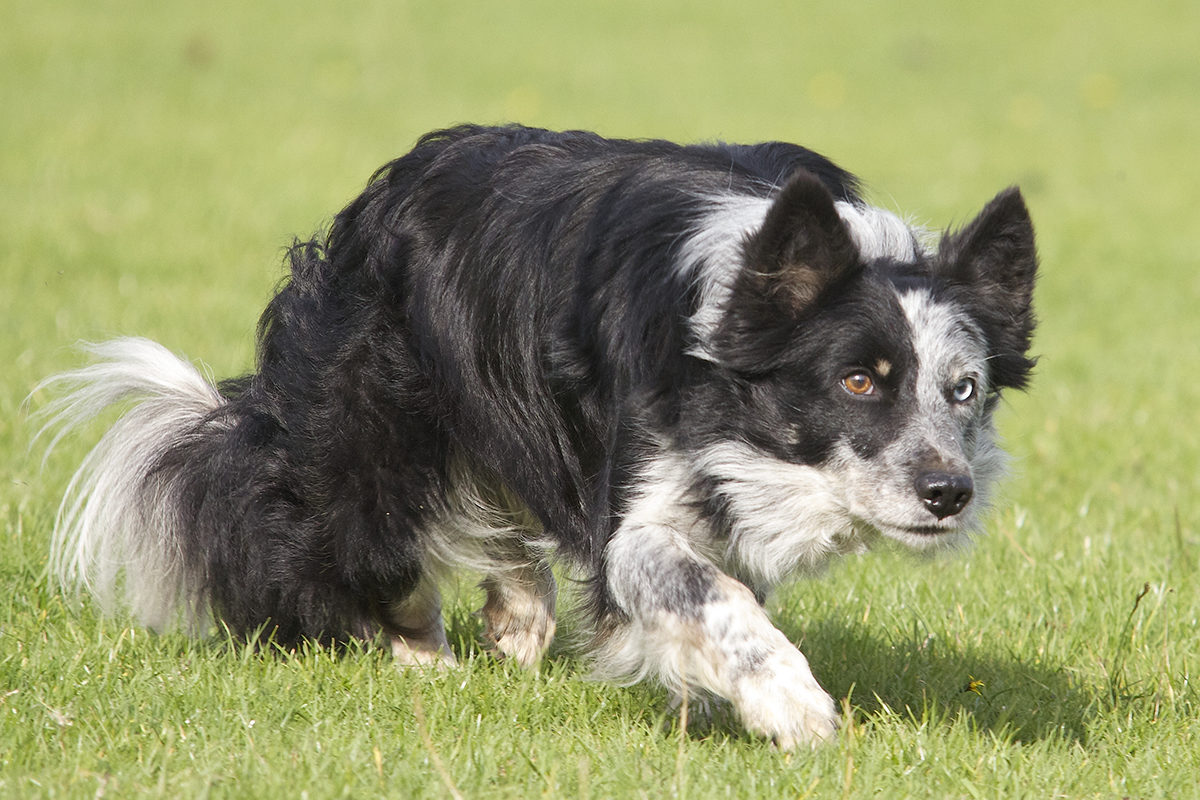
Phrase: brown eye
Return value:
(858, 383)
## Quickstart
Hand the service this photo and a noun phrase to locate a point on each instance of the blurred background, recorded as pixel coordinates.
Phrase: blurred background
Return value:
(156, 157)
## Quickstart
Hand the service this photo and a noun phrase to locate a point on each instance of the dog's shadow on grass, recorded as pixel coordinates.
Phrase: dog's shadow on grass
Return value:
(929, 681)
(916, 677)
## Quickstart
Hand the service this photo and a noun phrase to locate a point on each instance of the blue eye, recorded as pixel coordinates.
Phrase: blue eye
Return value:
(964, 391)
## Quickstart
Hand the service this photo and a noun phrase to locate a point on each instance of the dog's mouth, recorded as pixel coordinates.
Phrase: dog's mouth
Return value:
(917, 530)
(896, 516)
(910, 532)
(928, 530)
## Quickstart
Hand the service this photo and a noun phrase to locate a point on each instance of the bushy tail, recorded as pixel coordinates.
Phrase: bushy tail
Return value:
(119, 529)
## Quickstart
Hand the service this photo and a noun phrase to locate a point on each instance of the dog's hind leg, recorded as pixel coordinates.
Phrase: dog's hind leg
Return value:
(519, 613)
(487, 528)
(415, 629)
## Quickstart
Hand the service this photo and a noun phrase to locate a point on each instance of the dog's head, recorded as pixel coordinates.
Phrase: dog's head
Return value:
(868, 371)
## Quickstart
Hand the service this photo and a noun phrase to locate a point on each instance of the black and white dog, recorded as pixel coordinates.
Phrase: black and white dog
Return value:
(685, 373)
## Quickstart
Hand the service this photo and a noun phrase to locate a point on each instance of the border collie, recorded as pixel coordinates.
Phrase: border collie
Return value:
(684, 373)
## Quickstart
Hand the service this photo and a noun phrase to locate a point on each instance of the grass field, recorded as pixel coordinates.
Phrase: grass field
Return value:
(156, 156)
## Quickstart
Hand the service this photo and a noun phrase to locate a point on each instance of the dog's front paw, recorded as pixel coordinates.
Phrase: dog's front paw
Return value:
(783, 702)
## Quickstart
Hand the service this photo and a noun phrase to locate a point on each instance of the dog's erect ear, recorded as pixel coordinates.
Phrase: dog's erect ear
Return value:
(995, 258)
(996, 248)
(801, 251)
(802, 247)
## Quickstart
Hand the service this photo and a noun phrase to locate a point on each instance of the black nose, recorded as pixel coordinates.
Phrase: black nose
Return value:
(944, 494)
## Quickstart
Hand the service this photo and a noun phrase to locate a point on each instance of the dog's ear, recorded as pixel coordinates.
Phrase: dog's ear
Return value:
(802, 248)
(995, 259)
(996, 249)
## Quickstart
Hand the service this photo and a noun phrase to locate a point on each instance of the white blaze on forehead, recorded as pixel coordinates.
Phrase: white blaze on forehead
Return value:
(712, 255)
(948, 346)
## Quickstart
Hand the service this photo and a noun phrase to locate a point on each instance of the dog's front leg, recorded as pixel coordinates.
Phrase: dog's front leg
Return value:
(682, 620)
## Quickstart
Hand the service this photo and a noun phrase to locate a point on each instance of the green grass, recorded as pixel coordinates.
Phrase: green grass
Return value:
(156, 156)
